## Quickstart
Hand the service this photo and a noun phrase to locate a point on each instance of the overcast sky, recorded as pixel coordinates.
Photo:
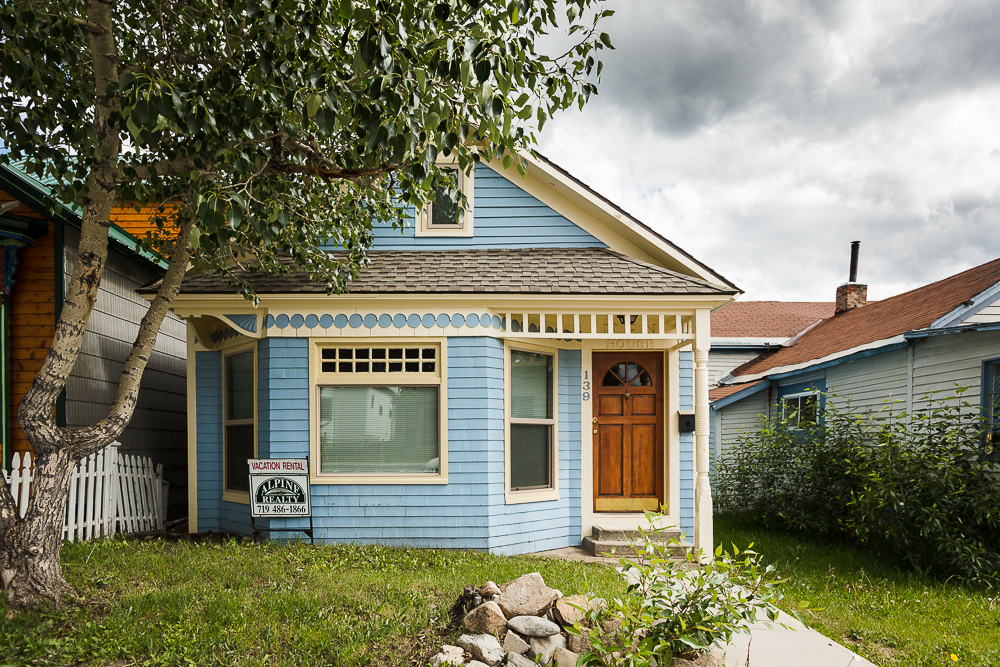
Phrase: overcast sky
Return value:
(764, 136)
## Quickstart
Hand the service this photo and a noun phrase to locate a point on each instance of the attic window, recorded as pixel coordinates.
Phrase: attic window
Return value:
(441, 217)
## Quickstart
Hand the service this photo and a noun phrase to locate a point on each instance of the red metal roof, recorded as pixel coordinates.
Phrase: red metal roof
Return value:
(878, 320)
(767, 319)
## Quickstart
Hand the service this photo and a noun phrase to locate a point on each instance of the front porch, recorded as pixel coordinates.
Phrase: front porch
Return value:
(667, 467)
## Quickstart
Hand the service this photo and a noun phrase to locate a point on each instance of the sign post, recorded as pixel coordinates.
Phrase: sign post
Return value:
(279, 489)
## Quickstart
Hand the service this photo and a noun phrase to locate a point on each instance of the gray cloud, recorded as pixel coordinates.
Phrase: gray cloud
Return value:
(765, 136)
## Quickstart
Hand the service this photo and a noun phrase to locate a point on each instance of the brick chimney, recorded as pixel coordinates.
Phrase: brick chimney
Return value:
(852, 294)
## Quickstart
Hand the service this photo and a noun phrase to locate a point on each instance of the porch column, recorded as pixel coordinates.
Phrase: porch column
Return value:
(703, 537)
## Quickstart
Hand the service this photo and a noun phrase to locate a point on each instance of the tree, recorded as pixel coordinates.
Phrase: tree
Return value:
(261, 130)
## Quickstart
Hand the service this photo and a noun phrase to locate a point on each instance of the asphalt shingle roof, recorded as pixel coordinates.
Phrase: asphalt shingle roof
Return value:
(879, 320)
(500, 271)
(768, 319)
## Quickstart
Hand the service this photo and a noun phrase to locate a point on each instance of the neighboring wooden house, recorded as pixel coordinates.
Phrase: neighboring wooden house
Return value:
(743, 330)
(507, 383)
(40, 236)
(898, 350)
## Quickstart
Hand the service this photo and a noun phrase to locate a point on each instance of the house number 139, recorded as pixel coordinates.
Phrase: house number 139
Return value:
(586, 386)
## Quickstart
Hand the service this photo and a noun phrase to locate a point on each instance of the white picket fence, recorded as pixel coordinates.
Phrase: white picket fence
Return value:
(109, 493)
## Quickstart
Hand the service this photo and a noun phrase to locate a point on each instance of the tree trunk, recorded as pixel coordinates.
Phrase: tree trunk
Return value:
(30, 572)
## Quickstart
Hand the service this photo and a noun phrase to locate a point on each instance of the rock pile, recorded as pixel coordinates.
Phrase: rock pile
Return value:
(519, 624)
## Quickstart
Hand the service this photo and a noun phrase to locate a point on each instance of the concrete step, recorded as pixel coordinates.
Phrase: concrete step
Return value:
(606, 534)
(597, 547)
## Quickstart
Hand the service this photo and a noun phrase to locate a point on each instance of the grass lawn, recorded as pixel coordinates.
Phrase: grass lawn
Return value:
(238, 603)
(889, 615)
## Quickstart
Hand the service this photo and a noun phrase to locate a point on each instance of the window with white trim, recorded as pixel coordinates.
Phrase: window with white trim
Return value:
(379, 409)
(532, 420)
(238, 419)
(798, 410)
(443, 216)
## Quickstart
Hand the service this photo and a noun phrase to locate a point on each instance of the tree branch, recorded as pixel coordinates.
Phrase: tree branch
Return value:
(89, 440)
(36, 410)
(174, 167)
(8, 206)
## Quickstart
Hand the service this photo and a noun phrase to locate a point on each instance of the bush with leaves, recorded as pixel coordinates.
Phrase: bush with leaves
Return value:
(913, 485)
(675, 609)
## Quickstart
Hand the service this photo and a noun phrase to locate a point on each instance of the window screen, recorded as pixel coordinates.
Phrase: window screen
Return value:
(378, 429)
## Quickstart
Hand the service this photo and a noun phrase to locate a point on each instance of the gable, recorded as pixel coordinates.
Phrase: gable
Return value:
(505, 216)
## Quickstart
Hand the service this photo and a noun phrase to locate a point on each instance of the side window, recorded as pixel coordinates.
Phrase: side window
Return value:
(443, 217)
(238, 419)
(800, 409)
(991, 406)
(532, 418)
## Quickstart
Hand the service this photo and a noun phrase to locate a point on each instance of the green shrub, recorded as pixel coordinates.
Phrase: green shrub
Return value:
(912, 485)
(671, 609)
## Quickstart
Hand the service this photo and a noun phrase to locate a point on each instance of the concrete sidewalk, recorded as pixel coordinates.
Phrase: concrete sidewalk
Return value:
(793, 646)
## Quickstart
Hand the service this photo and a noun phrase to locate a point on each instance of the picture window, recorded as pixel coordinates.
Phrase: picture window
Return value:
(388, 426)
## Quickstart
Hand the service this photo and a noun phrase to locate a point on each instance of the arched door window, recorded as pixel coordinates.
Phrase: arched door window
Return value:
(627, 373)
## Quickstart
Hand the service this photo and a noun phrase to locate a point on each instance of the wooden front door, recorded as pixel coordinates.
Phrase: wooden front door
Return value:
(628, 431)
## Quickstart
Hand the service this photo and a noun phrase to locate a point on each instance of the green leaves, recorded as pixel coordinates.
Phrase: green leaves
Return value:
(286, 128)
(677, 608)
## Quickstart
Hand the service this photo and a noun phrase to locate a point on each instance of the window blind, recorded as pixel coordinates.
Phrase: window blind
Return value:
(372, 429)
(529, 456)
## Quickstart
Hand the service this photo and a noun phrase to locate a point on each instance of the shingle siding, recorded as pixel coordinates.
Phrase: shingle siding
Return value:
(467, 513)
(687, 463)
(505, 216)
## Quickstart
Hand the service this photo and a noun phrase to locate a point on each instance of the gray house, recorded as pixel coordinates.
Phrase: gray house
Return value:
(901, 349)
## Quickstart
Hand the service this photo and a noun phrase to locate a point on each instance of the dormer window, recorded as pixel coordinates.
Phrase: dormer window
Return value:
(440, 217)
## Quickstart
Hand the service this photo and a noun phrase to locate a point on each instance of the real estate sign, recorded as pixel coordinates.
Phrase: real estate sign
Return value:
(279, 488)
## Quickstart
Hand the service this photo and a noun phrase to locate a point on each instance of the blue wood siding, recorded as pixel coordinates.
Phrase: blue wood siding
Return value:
(467, 513)
(686, 364)
(455, 515)
(539, 526)
(214, 513)
(505, 216)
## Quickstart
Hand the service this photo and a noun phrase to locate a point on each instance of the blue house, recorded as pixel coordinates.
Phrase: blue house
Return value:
(504, 383)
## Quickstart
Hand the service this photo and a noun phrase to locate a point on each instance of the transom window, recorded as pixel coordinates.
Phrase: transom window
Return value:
(627, 373)
(532, 418)
(388, 359)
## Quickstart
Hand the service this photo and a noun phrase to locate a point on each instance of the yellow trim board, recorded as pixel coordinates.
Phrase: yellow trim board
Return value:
(532, 495)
